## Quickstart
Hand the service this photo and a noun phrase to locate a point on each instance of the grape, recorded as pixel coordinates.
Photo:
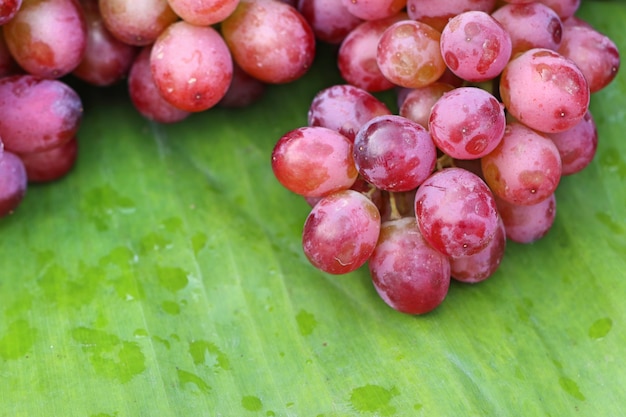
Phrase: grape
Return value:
(37, 113)
(341, 232)
(418, 102)
(203, 12)
(525, 168)
(564, 8)
(270, 40)
(47, 38)
(456, 212)
(13, 182)
(356, 58)
(408, 274)
(243, 89)
(528, 223)
(532, 25)
(330, 20)
(314, 161)
(481, 265)
(408, 54)
(475, 46)
(8, 10)
(106, 59)
(136, 22)
(577, 145)
(344, 108)
(394, 153)
(467, 123)
(191, 66)
(544, 90)
(374, 9)
(145, 95)
(51, 164)
(436, 13)
(595, 54)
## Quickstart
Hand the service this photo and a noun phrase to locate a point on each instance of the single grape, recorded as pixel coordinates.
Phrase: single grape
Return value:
(481, 265)
(191, 66)
(564, 8)
(525, 168)
(374, 9)
(408, 54)
(467, 123)
(408, 274)
(594, 53)
(243, 90)
(8, 10)
(437, 13)
(314, 161)
(528, 223)
(145, 95)
(531, 25)
(203, 12)
(418, 102)
(106, 59)
(341, 232)
(47, 38)
(577, 146)
(51, 164)
(456, 212)
(544, 90)
(13, 182)
(356, 58)
(344, 108)
(137, 22)
(37, 114)
(330, 20)
(475, 46)
(270, 40)
(394, 153)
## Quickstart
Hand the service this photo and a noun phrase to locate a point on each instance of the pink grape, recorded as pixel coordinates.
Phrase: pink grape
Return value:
(191, 66)
(270, 40)
(408, 274)
(564, 8)
(467, 123)
(475, 46)
(544, 90)
(594, 53)
(13, 182)
(418, 102)
(8, 10)
(456, 212)
(51, 164)
(436, 13)
(374, 9)
(37, 113)
(525, 168)
(203, 12)
(243, 90)
(532, 25)
(341, 232)
(314, 161)
(344, 108)
(330, 20)
(577, 146)
(49, 50)
(481, 265)
(528, 223)
(394, 153)
(145, 95)
(137, 22)
(408, 54)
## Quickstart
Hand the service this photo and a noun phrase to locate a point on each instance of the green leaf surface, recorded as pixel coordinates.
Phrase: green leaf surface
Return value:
(164, 277)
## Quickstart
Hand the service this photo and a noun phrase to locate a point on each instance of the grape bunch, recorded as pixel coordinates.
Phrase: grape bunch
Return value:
(492, 111)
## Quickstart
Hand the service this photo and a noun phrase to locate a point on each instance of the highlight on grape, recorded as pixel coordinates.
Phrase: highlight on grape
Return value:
(492, 97)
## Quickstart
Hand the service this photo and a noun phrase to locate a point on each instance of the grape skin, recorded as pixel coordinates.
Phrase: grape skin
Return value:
(437, 13)
(418, 102)
(13, 182)
(408, 274)
(203, 12)
(330, 20)
(544, 90)
(341, 232)
(314, 161)
(51, 164)
(374, 9)
(456, 212)
(577, 146)
(191, 66)
(528, 223)
(8, 10)
(525, 168)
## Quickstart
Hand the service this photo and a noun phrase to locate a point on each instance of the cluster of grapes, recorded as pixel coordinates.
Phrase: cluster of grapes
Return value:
(493, 109)
(177, 57)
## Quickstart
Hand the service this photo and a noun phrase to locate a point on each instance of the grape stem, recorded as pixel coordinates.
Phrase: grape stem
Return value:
(444, 161)
(393, 206)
